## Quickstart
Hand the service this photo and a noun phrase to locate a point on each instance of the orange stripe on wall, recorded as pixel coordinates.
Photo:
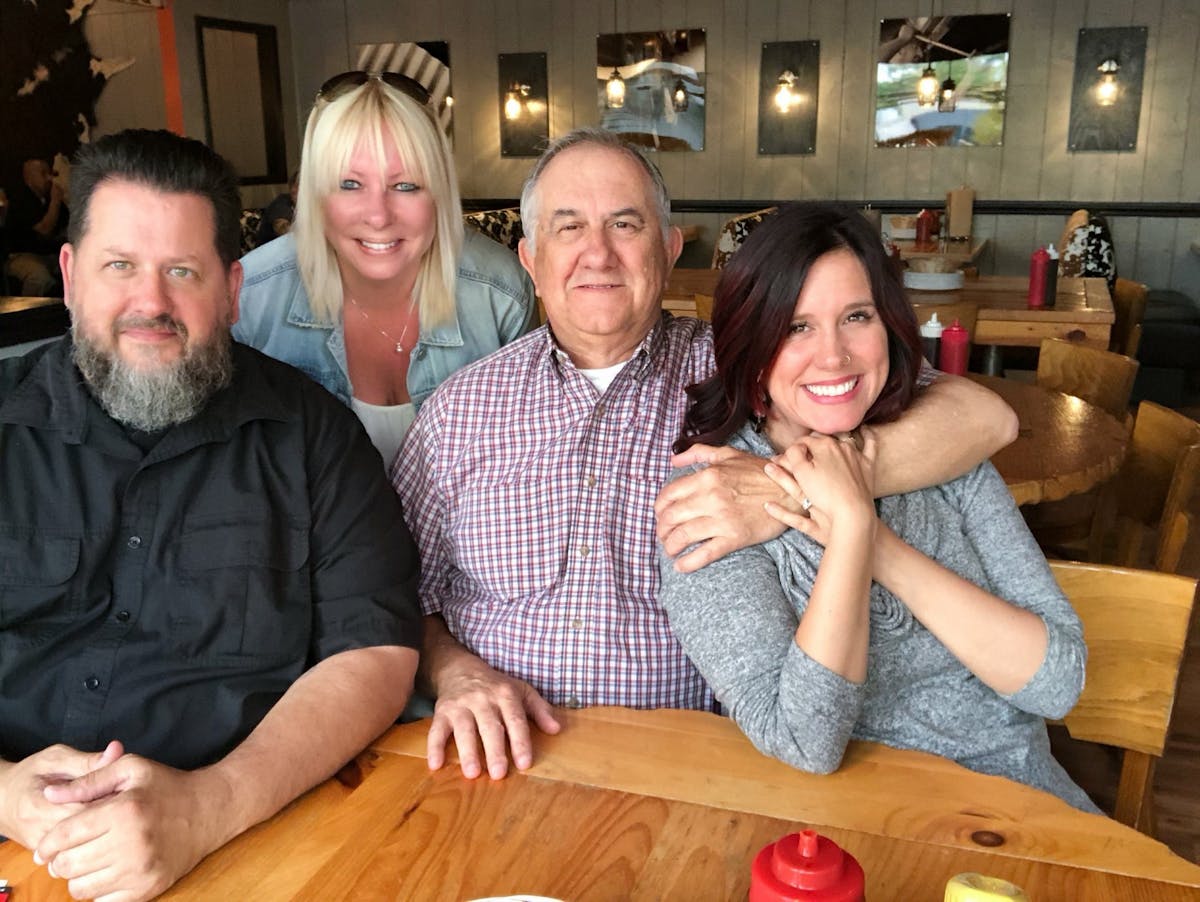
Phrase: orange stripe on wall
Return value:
(172, 92)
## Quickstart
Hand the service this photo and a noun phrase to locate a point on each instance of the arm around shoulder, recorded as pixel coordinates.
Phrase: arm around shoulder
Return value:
(952, 426)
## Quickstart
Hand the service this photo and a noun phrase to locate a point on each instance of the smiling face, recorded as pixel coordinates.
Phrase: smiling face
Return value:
(145, 283)
(380, 221)
(833, 363)
(601, 261)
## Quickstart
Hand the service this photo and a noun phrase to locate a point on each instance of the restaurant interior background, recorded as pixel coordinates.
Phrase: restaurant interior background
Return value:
(1024, 188)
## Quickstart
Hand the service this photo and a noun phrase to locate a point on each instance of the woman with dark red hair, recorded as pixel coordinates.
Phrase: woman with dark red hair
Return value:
(928, 620)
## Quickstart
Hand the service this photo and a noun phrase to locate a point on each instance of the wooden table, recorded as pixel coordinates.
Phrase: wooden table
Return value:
(1064, 445)
(660, 805)
(960, 252)
(28, 318)
(1082, 311)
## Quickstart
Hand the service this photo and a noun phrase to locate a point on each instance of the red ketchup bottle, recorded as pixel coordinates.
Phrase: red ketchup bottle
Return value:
(927, 227)
(1038, 264)
(805, 867)
(954, 350)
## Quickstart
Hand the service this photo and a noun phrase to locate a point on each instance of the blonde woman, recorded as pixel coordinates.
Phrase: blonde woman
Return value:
(377, 292)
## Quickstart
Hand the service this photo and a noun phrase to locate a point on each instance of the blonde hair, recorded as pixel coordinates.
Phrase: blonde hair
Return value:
(375, 112)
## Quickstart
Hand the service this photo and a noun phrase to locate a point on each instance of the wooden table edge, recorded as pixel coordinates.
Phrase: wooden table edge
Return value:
(410, 740)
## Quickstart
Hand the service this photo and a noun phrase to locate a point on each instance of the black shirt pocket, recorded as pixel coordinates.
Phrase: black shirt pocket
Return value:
(35, 576)
(245, 588)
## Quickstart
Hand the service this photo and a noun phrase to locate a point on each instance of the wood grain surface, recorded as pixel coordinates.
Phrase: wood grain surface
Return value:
(1064, 445)
(659, 805)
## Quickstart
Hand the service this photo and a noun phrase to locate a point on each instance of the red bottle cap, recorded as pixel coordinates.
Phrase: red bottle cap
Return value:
(805, 867)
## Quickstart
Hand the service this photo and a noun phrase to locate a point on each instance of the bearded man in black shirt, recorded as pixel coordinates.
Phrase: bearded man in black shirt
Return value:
(206, 587)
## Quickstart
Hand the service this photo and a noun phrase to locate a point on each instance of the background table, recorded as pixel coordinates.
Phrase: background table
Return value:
(960, 252)
(1082, 311)
(1064, 445)
(28, 319)
(660, 805)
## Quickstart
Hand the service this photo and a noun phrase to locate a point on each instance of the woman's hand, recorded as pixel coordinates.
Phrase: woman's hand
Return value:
(834, 475)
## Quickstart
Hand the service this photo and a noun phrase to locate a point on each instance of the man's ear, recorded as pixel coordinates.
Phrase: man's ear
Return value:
(233, 283)
(527, 260)
(65, 257)
(674, 246)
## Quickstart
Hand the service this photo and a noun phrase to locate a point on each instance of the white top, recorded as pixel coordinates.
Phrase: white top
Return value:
(602, 378)
(386, 426)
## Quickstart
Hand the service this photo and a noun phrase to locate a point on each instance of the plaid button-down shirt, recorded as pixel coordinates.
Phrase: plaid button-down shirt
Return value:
(531, 499)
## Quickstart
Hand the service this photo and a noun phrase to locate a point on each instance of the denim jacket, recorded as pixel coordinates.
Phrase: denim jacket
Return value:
(495, 304)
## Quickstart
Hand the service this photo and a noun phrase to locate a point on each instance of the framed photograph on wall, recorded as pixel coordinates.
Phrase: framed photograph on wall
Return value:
(941, 81)
(650, 87)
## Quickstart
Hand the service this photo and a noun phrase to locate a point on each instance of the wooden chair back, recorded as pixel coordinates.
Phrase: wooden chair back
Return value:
(1099, 377)
(1155, 489)
(1076, 220)
(734, 232)
(1129, 308)
(1135, 623)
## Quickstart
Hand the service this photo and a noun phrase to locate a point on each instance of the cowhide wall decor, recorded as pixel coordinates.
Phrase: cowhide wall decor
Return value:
(49, 81)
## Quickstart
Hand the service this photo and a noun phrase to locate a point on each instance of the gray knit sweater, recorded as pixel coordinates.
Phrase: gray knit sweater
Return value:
(737, 618)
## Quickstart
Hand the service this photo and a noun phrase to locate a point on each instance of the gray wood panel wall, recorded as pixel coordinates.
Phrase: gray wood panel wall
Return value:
(1032, 164)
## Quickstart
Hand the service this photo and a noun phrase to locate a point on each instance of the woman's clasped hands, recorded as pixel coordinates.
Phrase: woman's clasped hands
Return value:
(835, 477)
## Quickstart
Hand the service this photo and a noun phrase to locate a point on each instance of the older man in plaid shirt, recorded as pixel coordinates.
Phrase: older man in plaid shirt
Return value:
(529, 479)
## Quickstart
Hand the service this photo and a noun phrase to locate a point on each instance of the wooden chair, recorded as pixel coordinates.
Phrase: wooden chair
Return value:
(1099, 377)
(1129, 308)
(1135, 623)
(1154, 490)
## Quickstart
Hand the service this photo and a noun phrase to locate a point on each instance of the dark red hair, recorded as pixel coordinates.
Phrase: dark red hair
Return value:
(756, 298)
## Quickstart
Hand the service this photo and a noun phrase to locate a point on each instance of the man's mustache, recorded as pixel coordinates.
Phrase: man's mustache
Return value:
(162, 322)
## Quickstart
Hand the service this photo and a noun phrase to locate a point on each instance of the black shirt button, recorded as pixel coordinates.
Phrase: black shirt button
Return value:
(123, 616)
(91, 684)
(134, 542)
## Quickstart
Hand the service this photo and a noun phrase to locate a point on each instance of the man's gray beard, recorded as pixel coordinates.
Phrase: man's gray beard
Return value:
(154, 399)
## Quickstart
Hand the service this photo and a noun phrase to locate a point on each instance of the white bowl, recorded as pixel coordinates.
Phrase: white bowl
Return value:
(933, 281)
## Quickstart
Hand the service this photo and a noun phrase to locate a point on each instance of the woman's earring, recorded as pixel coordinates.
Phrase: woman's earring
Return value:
(758, 417)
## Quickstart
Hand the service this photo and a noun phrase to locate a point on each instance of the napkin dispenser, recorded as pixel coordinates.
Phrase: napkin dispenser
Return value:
(960, 208)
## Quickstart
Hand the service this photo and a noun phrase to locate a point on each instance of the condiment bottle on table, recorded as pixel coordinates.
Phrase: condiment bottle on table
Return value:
(805, 867)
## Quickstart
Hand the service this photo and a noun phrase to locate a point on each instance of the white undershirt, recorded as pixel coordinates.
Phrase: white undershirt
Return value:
(386, 426)
(603, 377)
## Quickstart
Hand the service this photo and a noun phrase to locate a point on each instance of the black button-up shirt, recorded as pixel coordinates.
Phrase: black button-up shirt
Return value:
(169, 597)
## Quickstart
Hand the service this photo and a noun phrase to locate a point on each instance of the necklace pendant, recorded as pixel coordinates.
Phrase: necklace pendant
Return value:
(399, 348)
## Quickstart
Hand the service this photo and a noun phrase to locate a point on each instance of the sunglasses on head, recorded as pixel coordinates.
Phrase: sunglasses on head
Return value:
(348, 81)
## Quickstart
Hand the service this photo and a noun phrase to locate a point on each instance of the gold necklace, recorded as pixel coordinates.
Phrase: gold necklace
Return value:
(400, 349)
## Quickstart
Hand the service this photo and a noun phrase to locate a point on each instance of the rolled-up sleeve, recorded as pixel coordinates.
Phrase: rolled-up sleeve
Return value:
(1017, 571)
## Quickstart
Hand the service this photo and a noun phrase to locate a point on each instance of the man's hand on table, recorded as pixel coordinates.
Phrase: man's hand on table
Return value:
(26, 815)
(476, 703)
(719, 507)
(137, 828)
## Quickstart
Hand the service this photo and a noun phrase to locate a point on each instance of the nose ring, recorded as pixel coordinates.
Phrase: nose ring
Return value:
(846, 360)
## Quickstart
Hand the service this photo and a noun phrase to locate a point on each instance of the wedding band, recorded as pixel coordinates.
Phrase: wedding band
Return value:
(805, 504)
